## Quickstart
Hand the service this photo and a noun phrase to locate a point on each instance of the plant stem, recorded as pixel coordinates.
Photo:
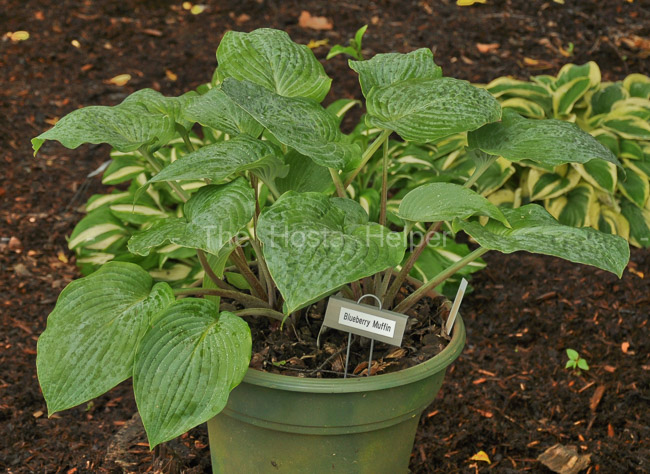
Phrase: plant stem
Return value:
(408, 265)
(340, 190)
(208, 271)
(239, 259)
(374, 146)
(480, 169)
(264, 271)
(261, 312)
(243, 298)
(439, 278)
(384, 185)
(172, 184)
(188, 142)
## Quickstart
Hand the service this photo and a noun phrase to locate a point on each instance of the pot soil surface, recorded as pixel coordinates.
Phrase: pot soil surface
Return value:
(508, 395)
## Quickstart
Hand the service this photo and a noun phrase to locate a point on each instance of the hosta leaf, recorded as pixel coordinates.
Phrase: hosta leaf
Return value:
(296, 122)
(137, 213)
(525, 107)
(574, 208)
(157, 103)
(213, 216)
(632, 150)
(445, 201)
(543, 185)
(126, 127)
(601, 174)
(123, 168)
(549, 142)
(215, 110)
(534, 230)
(304, 175)
(224, 159)
(386, 69)
(424, 110)
(565, 97)
(570, 72)
(340, 107)
(92, 334)
(602, 100)
(607, 138)
(97, 226)
(186, 366)
(634, 185)
(311, 251)
(495, 176)
(639, 220)
(638, 85)
(630, 127)
(612, 222)
(269, 58)
(508, 87)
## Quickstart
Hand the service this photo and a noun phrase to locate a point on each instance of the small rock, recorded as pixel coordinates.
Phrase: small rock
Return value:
(564, 459)
(15, 243)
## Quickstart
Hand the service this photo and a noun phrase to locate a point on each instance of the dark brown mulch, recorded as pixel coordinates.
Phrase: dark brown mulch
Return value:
(508, 394)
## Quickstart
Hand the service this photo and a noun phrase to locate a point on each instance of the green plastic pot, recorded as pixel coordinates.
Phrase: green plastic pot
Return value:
(277, 423)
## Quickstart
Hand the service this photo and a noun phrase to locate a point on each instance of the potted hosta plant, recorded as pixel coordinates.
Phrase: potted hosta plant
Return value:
(268, 200)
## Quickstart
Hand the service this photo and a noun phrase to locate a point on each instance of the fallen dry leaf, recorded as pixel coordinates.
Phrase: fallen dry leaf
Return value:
(197, 9)
(317, 44)
(306, 20)
(18, 36)
(487, 47)
(625, 347)
(170, 75)
(481, 456)
(120, 80)
(564, 459)
(75, 43)
(467, 3)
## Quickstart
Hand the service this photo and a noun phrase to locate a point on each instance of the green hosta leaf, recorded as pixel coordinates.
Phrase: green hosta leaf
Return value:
(543, 185)
(123, 168)
(424, 110)
(508, 87)
(126, 127)
(611, 221)
(269, 58)
(296, 122)
(98, 226)
(215, 110)
(435, 259)
(573, 209)
(601, 174)
(340, 107)
(639, 220)
(632, 150)
(386, 69)
(525, 107)
(565, 97)
(213, 216)
(570, 72)
(637, 85)
(495, 176)
(186, 366)
(304, 175)
(607, 138)
(224, 159)
(312, 251)
(634, 185)
(92, 334)
(444, 202)
(549, 142)
(137, 214)
(630, 127)
(602, 100)
(157, 103)
(534, 230)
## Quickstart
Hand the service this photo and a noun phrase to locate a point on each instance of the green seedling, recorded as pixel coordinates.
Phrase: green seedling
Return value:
(575, 362)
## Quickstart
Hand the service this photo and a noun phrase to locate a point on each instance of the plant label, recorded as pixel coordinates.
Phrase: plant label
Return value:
(365, 320)
(454, 307)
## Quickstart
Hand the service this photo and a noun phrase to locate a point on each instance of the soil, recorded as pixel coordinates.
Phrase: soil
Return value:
(508, 395)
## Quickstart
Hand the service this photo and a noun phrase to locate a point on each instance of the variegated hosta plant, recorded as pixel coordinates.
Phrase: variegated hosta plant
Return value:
(266, 196)
(597, 193)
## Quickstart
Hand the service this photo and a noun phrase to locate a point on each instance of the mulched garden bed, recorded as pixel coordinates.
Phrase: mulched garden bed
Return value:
(508, 394)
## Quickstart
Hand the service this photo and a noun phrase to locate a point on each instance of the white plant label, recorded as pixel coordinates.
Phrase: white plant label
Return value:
(454, 308)
(365, 320)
